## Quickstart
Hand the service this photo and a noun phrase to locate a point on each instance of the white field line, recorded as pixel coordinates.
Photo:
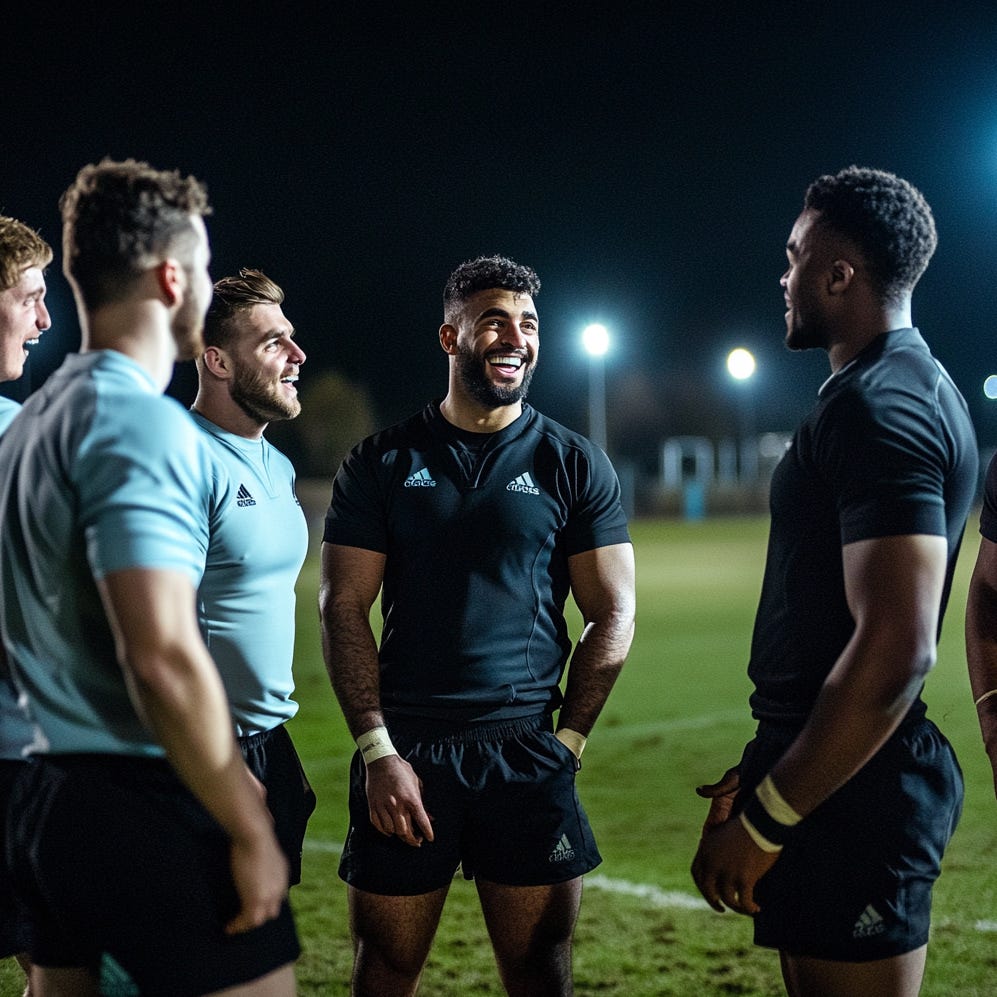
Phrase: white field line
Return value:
(650, 894)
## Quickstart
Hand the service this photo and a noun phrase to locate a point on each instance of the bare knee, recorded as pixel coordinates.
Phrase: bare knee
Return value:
(391, 940)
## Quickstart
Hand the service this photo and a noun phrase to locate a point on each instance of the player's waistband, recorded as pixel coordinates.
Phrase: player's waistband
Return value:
(423, 729)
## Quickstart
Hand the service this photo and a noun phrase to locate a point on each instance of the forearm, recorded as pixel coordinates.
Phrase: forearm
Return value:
(351, 659)
(860, 705)
(595, 665)
(981, 657)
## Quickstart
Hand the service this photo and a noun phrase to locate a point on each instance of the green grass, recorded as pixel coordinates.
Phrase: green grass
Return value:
(677, 717)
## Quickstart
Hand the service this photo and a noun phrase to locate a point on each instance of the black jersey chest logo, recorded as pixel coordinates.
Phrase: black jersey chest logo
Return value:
(523, 484)
(420, 479)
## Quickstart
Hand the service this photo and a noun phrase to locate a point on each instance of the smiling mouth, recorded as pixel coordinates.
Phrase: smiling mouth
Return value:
(508, 363)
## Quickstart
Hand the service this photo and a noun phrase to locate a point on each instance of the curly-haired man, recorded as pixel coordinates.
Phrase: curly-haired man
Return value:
(478, 515)
(831, 830)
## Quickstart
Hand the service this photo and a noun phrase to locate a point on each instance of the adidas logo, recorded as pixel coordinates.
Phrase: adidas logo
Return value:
(243, 498)
(870, 923)
(115, 980)
(421, 479)
(524, 484)
(563, 852)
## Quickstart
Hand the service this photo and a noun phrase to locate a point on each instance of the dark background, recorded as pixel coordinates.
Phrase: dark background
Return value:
(647, 159)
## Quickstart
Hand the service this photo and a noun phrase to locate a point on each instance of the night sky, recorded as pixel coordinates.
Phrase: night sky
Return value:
(648, 160)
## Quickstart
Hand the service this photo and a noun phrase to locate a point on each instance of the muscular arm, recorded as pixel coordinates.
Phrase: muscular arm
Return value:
(351, 580)
(602, 583)
(893, 586)
(981, 643)
(176, 690)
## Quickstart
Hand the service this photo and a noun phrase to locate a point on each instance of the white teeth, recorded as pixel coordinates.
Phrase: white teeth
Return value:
(289, 380)
(516, 362)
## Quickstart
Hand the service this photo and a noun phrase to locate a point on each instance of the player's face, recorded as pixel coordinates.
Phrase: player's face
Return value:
(266, 362)
(188, 324)
(23, 318)
(809, 256)
(497, 344)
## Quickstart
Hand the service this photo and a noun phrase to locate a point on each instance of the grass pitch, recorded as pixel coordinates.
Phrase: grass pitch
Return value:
(677, 717)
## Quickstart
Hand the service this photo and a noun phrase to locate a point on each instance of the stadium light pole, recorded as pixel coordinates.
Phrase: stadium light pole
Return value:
(595, 339)
(741, 366)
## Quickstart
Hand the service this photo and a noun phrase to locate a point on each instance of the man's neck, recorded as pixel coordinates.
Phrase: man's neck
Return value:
(227, 415)
(475, 418)
(139, 330)
(859, 334)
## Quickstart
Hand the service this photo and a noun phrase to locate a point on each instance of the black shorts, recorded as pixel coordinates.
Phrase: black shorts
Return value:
(271, 757)
(854, 882)
(126, 874)
(504, 806)
(15, 929)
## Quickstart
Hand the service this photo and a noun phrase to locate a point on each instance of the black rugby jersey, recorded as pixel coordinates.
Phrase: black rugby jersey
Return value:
(888, 450)
(988, 514)
(477, 542)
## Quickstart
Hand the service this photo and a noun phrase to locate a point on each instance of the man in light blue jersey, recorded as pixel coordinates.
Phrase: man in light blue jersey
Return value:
(138, 838)
(24, 255)
(258, 535)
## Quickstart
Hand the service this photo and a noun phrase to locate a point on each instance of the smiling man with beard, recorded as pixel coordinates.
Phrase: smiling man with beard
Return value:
(478, 516)
(258, 535)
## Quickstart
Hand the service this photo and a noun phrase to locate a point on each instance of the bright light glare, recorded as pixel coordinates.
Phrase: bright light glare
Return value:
(990, 386)
(595, 339)
(740, 364)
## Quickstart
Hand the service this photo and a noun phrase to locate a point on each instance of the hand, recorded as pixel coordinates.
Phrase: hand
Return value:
(721, 796)
(260, 873)
(394, 795)
(727, 866)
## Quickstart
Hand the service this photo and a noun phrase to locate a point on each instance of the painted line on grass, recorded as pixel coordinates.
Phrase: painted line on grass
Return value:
(652, 895)
(655, 896)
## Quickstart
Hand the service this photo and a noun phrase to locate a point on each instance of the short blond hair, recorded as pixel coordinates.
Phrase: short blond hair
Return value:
(20, 247)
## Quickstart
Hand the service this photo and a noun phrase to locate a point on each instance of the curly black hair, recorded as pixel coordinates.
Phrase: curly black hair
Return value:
(886, 217)
(485, 273)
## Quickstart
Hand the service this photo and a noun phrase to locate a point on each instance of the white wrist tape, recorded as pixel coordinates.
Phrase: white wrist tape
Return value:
(775, 806)
(375, 743)
(572, 740)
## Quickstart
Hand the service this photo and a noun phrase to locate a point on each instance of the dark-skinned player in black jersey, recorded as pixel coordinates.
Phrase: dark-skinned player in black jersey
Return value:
(831, 830)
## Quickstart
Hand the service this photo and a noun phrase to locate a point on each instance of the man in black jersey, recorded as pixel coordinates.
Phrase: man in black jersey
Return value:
(475, 518)
(831, 830)
(981, 620)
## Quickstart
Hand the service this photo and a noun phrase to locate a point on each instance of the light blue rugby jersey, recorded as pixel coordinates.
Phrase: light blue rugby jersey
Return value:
(258, 543)
(99, 473)
(8, 409)
(15, 730)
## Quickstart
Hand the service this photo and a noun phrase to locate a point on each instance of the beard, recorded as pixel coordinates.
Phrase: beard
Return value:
(260, 398)
(471, 372)
(805, 335)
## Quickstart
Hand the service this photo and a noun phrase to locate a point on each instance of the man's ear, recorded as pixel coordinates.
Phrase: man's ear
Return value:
(216, 360)
(171, 280)
(841, 276)
(448, 338)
